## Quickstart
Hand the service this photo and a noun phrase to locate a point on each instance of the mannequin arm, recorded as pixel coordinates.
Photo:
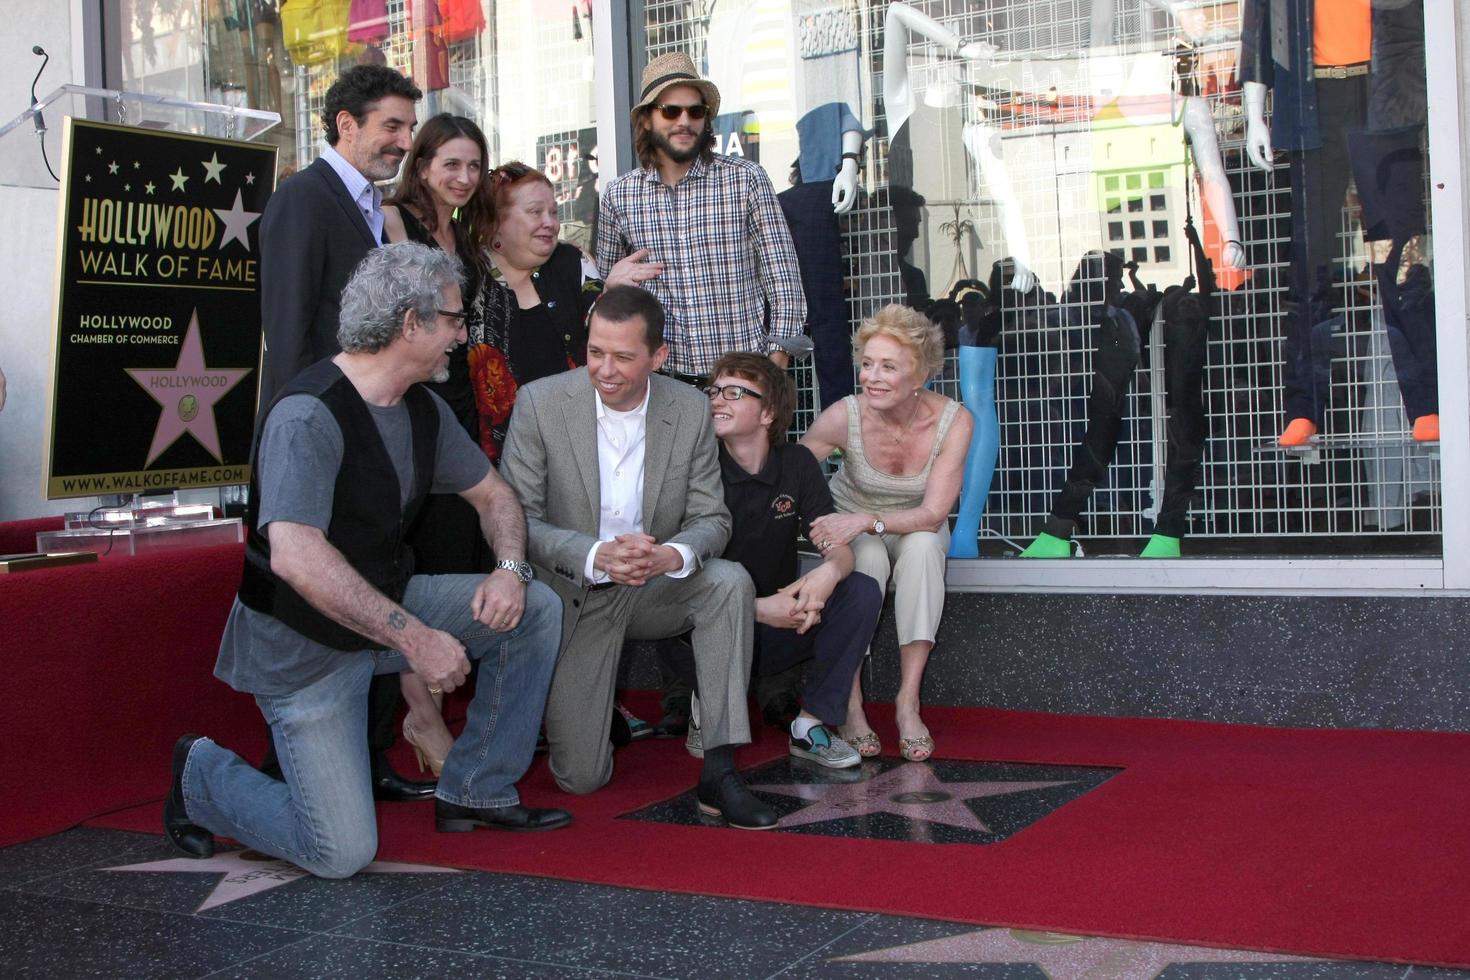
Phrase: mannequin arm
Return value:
(844, 187)
(1257, 133)
(1199, 125)
(983, 142)
(900, 20)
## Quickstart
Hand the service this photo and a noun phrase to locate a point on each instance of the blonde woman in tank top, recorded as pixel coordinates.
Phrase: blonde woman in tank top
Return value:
(903, 459)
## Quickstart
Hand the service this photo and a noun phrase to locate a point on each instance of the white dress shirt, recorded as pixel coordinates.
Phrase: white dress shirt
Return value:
(621, 440)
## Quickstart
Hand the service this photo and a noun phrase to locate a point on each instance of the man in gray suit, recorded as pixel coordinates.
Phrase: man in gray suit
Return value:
(617, 470)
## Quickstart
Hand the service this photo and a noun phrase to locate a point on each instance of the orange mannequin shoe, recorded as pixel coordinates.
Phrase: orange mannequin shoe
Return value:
(1426, 428)
(1298, 433)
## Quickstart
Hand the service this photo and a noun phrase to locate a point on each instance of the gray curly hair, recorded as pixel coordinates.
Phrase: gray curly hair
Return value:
(388, 283)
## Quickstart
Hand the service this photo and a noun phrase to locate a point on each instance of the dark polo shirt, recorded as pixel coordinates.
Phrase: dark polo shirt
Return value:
(769, 509)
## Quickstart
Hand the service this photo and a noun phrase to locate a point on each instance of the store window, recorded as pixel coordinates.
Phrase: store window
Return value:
(1047, 176)
(521, 68)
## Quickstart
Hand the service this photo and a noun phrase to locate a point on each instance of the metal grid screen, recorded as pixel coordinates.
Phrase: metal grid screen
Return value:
(1089, 187)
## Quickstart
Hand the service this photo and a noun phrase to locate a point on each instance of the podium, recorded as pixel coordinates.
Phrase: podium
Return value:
(140, 109)
(149, 111)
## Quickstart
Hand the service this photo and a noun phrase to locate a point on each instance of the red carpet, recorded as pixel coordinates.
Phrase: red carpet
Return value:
(105, 665)
(1334, 843)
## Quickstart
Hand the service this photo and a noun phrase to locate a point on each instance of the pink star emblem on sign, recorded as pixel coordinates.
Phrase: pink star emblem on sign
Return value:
(187, 393)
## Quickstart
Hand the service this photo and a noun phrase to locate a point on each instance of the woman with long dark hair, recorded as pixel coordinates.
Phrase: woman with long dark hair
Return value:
(438, 202)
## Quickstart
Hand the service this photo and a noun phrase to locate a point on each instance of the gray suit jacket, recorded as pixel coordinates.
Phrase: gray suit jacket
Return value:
(551, 462)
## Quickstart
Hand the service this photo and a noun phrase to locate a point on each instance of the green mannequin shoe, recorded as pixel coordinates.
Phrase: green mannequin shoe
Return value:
(1160, 546)
(1048, 546)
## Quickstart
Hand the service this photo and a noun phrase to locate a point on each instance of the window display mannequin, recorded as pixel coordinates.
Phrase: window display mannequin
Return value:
(979, 348)
(825, 180)
(1124, 326)
(1358, 112)
(929, 142)
(1192, 80)
(1138, 88)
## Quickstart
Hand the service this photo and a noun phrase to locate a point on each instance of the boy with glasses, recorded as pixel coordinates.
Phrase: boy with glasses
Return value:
(774, 490)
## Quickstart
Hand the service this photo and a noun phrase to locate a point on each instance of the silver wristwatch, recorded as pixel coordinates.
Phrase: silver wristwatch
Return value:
(877, 526)
(521, 569)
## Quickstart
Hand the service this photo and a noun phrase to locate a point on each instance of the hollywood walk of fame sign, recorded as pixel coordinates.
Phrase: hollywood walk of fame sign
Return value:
(158, 333)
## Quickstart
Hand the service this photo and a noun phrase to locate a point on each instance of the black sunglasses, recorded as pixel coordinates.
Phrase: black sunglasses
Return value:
(731, 393)
(671, 112)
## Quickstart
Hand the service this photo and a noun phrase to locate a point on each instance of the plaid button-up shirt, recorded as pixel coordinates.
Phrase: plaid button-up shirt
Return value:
(726, 252)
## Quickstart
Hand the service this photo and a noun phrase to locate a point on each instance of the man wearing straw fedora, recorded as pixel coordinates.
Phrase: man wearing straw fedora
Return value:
(727, 271)
(709, 222)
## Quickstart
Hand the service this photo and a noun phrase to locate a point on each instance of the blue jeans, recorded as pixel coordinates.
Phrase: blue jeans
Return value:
(321, 818)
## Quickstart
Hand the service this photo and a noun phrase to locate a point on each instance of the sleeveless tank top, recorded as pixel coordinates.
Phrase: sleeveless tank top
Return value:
(861, 487)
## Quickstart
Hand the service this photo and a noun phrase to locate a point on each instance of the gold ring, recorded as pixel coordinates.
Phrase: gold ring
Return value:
(435, 690)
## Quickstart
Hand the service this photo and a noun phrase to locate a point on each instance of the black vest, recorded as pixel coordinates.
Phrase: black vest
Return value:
(367, 525)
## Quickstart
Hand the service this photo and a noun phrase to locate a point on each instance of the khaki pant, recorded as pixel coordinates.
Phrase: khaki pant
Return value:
(916, 561)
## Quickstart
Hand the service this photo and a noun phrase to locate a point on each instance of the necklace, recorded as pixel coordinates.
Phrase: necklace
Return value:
(898, 439)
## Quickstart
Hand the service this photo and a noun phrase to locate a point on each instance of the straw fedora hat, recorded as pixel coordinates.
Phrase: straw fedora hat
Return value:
(674, 68)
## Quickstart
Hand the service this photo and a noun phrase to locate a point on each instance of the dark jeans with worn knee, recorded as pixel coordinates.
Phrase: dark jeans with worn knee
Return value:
(1186, 334)
(1118, 346)
(1120, 342)
(1388, 168)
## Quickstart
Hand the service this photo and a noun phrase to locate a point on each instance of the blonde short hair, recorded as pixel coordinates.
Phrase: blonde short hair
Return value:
(910, 329)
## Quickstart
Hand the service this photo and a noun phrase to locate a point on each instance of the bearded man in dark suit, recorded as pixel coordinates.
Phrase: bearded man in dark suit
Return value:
(321, 221)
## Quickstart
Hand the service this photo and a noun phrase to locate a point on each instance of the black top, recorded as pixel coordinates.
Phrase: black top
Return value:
(769, 509)
(457, 391)
(539, 351)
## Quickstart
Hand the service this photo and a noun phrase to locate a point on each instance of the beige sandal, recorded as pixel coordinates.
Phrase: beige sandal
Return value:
(917, 749)
(867, 745)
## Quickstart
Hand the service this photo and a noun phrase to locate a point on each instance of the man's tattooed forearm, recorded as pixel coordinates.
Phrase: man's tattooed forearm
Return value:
(397, 620)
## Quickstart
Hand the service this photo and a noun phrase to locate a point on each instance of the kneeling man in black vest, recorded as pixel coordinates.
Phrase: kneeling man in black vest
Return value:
(343, 460)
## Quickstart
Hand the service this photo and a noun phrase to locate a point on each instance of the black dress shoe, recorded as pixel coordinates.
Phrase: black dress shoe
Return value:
(390, 787)
(187, 837)
(674, 724)
(727, 796)
(451, 818)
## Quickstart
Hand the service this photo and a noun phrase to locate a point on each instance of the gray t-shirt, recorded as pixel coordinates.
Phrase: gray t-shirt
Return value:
(300, 453)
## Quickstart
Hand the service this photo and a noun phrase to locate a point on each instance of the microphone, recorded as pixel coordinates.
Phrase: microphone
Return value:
(36, 49)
